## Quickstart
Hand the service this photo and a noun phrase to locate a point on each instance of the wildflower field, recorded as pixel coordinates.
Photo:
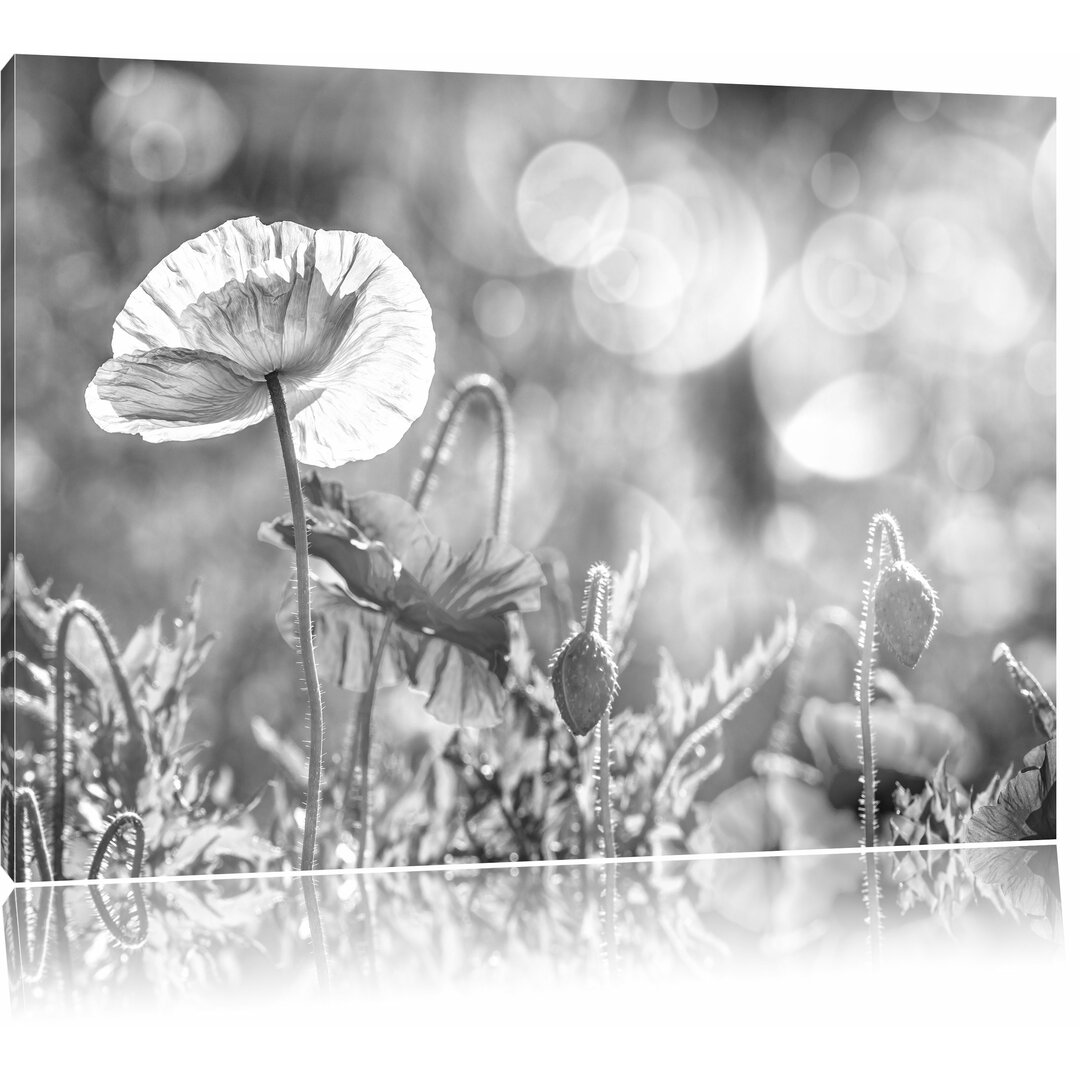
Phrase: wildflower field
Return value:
(409, 468)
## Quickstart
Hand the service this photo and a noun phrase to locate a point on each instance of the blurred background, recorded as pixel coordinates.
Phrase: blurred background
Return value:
(744, 318)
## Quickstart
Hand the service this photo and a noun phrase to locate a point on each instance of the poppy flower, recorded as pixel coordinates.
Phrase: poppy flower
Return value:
(326, 331)
(374, 557)
(335, 314)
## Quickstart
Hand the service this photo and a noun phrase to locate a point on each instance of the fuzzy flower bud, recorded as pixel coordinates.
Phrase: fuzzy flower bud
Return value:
(584, 675)
(906, 610)
(584, 678)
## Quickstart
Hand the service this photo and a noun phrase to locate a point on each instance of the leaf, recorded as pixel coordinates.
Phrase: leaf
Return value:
(287, 755)
(1026, 809)
(732, 690)
(1043, 712)
(451, 635)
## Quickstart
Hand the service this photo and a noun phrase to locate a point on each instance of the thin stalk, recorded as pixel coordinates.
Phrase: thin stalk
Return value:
(605, 784)
(121, 931)
(307, 643)
(28, 819)
(318, 941)
(97, 623)
(7, 826)
(440, 448)
(361, 742)
(873, 903)
(611, 947)
(128, 820)
(595, 617)
(883, 528)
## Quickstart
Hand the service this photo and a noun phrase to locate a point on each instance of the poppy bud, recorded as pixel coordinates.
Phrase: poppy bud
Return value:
(906, 609)
(584, 678)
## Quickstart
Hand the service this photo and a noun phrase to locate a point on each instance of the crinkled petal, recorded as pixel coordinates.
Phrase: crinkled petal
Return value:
(151, 318)
(335, 313)
(177, 394)
(378, 379)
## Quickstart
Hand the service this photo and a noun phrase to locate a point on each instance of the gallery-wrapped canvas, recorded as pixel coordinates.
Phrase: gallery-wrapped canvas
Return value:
(410, 468)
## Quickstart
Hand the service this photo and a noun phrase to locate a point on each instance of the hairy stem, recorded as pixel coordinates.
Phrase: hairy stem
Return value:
(318, 941)
(79, 608)
(7, 826)
(127, 821)
(361, 742)
(883, 529)
(28, 819)
(605, 784)
(307, 643)
(594, 615)
(440, 448)
(120, 929)
(873, 903)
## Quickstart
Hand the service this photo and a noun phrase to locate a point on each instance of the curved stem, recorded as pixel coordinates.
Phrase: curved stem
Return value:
(120, 931)
(97, 623)
(28, 818)
(883, 527)
(307, 643)
(127, 820)
(361, 741)
(440, 448)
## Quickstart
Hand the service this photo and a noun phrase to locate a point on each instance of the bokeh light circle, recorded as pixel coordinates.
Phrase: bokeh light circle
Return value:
(1040, 368)
(854, 428)
(684, 282)
(572, 203)
(835, 180)
(158, 151)
(916, 106)
(1044, 191)
(969, 463)
(692, 105)
(161, 125)
(853, 273)
(499, 308)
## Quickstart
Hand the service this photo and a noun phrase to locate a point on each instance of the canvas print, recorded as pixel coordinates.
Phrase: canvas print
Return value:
(418, 468)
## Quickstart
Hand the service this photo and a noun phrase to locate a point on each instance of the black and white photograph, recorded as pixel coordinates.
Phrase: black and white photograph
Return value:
(542, 483)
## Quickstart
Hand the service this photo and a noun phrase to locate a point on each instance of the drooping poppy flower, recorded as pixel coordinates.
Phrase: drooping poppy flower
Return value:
(335, 314)
(374, 558)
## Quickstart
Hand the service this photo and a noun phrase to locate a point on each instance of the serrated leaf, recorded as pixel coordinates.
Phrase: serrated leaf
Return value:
(1042, 709)
(1026, 808)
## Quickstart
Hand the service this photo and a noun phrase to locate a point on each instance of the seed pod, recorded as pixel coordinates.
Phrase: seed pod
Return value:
(906, 609)
(584, 677)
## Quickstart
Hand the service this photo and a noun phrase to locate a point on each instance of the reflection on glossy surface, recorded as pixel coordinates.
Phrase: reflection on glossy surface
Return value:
(153, 943)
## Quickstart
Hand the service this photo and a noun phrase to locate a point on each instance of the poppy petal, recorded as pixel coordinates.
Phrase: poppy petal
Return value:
(151, 318)
(181, 394)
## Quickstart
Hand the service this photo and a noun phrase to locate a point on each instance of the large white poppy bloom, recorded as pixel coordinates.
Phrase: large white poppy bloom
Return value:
(335, 314)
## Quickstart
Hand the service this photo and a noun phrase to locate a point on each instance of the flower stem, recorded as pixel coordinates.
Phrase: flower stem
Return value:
(125, 821)
(605, 784)
(594, 615)
(120, 929)
(97, 623)
(28, 819)
(315, 926)
(883, 527)
(361, 742)
(307, 643)
(439, 449)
